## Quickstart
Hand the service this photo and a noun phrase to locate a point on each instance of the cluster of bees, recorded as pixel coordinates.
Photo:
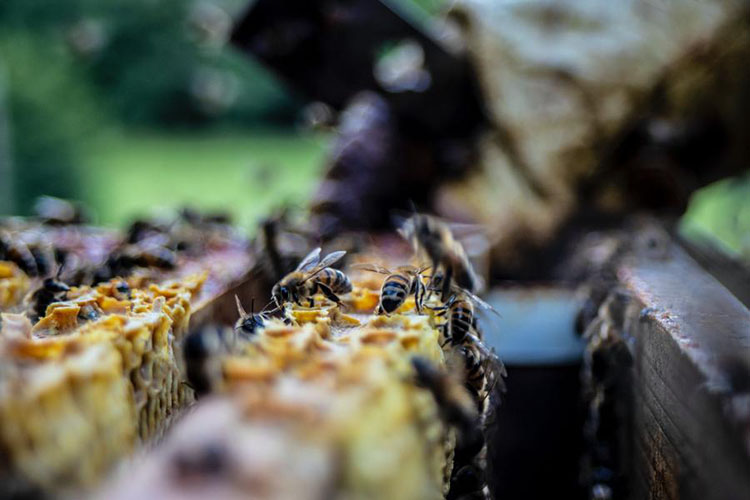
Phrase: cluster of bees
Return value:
(146, 246)
(443, 286)
(462, 392)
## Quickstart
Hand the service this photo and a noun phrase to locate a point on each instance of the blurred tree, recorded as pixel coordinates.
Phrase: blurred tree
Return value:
(49, 109)
(75, 67)
(166, 63)
(152, 62)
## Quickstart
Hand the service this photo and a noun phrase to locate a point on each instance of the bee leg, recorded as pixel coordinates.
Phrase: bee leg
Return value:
(441, 310)
(419, 296)
(446, 284)
(311, 302)
(329, 294)
(446, 337)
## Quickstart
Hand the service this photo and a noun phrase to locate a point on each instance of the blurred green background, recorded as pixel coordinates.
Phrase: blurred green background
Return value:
(133, 104)
(126, 104)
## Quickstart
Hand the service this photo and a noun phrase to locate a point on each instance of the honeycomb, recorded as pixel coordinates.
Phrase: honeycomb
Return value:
(97, 376)
(13, 285)
(323, 408)
(76, 395)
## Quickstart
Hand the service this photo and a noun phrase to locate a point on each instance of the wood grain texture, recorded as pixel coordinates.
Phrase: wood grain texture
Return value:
(692, 360)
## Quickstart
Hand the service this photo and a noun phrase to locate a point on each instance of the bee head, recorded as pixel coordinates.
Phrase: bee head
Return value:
(281, 294)
(251, 323)
(53, 285)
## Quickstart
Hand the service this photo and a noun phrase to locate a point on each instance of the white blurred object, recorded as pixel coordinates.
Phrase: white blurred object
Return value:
(401, 68)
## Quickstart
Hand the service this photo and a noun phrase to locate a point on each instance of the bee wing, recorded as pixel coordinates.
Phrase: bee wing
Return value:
(462, 230)
(481, 302)
(404, 224)
(375, 268)
(331, 259)
(328, 261)
(310, 260)
(493, 365)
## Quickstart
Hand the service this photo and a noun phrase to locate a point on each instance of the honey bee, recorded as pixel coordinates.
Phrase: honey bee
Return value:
(51, 291)
(311, 276)
(454, 402)
(202, 351)
(484, 370)
(468, 483)
(248, 323)
(461, 315)
(397, 286)
(18, 253)
(435, 239)
(457, 408)
(44, 257)
(59, 212)
(122, 262)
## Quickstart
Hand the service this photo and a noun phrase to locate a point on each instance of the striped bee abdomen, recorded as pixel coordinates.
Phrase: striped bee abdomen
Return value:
(395, 289)
(335, 280)
(475, 376)
(460, 321)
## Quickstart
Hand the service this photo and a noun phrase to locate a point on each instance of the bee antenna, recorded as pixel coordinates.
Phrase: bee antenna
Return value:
(59, 270)
(266, 306)
(240, 309)
(412, 206)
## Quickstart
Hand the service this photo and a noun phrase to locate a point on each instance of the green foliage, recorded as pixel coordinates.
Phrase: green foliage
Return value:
(153, 62)
(722, 211)
(76, 67)
(247, 173)
(49, 109)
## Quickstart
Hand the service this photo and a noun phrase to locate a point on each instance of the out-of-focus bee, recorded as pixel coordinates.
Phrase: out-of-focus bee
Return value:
(151, 256)
(468, 483)
(397, 286)
(457, 408)
(311, 276)
(454, 402)
(125, 259)
(435, 239)
(248, 323)
(122, 290)
(89, 312)
(51, 291)
(202, 352)
(202, 218)
(56, 211)
(141, 229)
(19, 253)
(45, 257)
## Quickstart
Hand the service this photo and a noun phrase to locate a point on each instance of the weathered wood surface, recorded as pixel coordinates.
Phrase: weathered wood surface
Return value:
(691, 407)
(729, 270)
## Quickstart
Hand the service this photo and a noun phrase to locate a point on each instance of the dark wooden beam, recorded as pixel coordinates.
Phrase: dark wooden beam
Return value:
(691, 381)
